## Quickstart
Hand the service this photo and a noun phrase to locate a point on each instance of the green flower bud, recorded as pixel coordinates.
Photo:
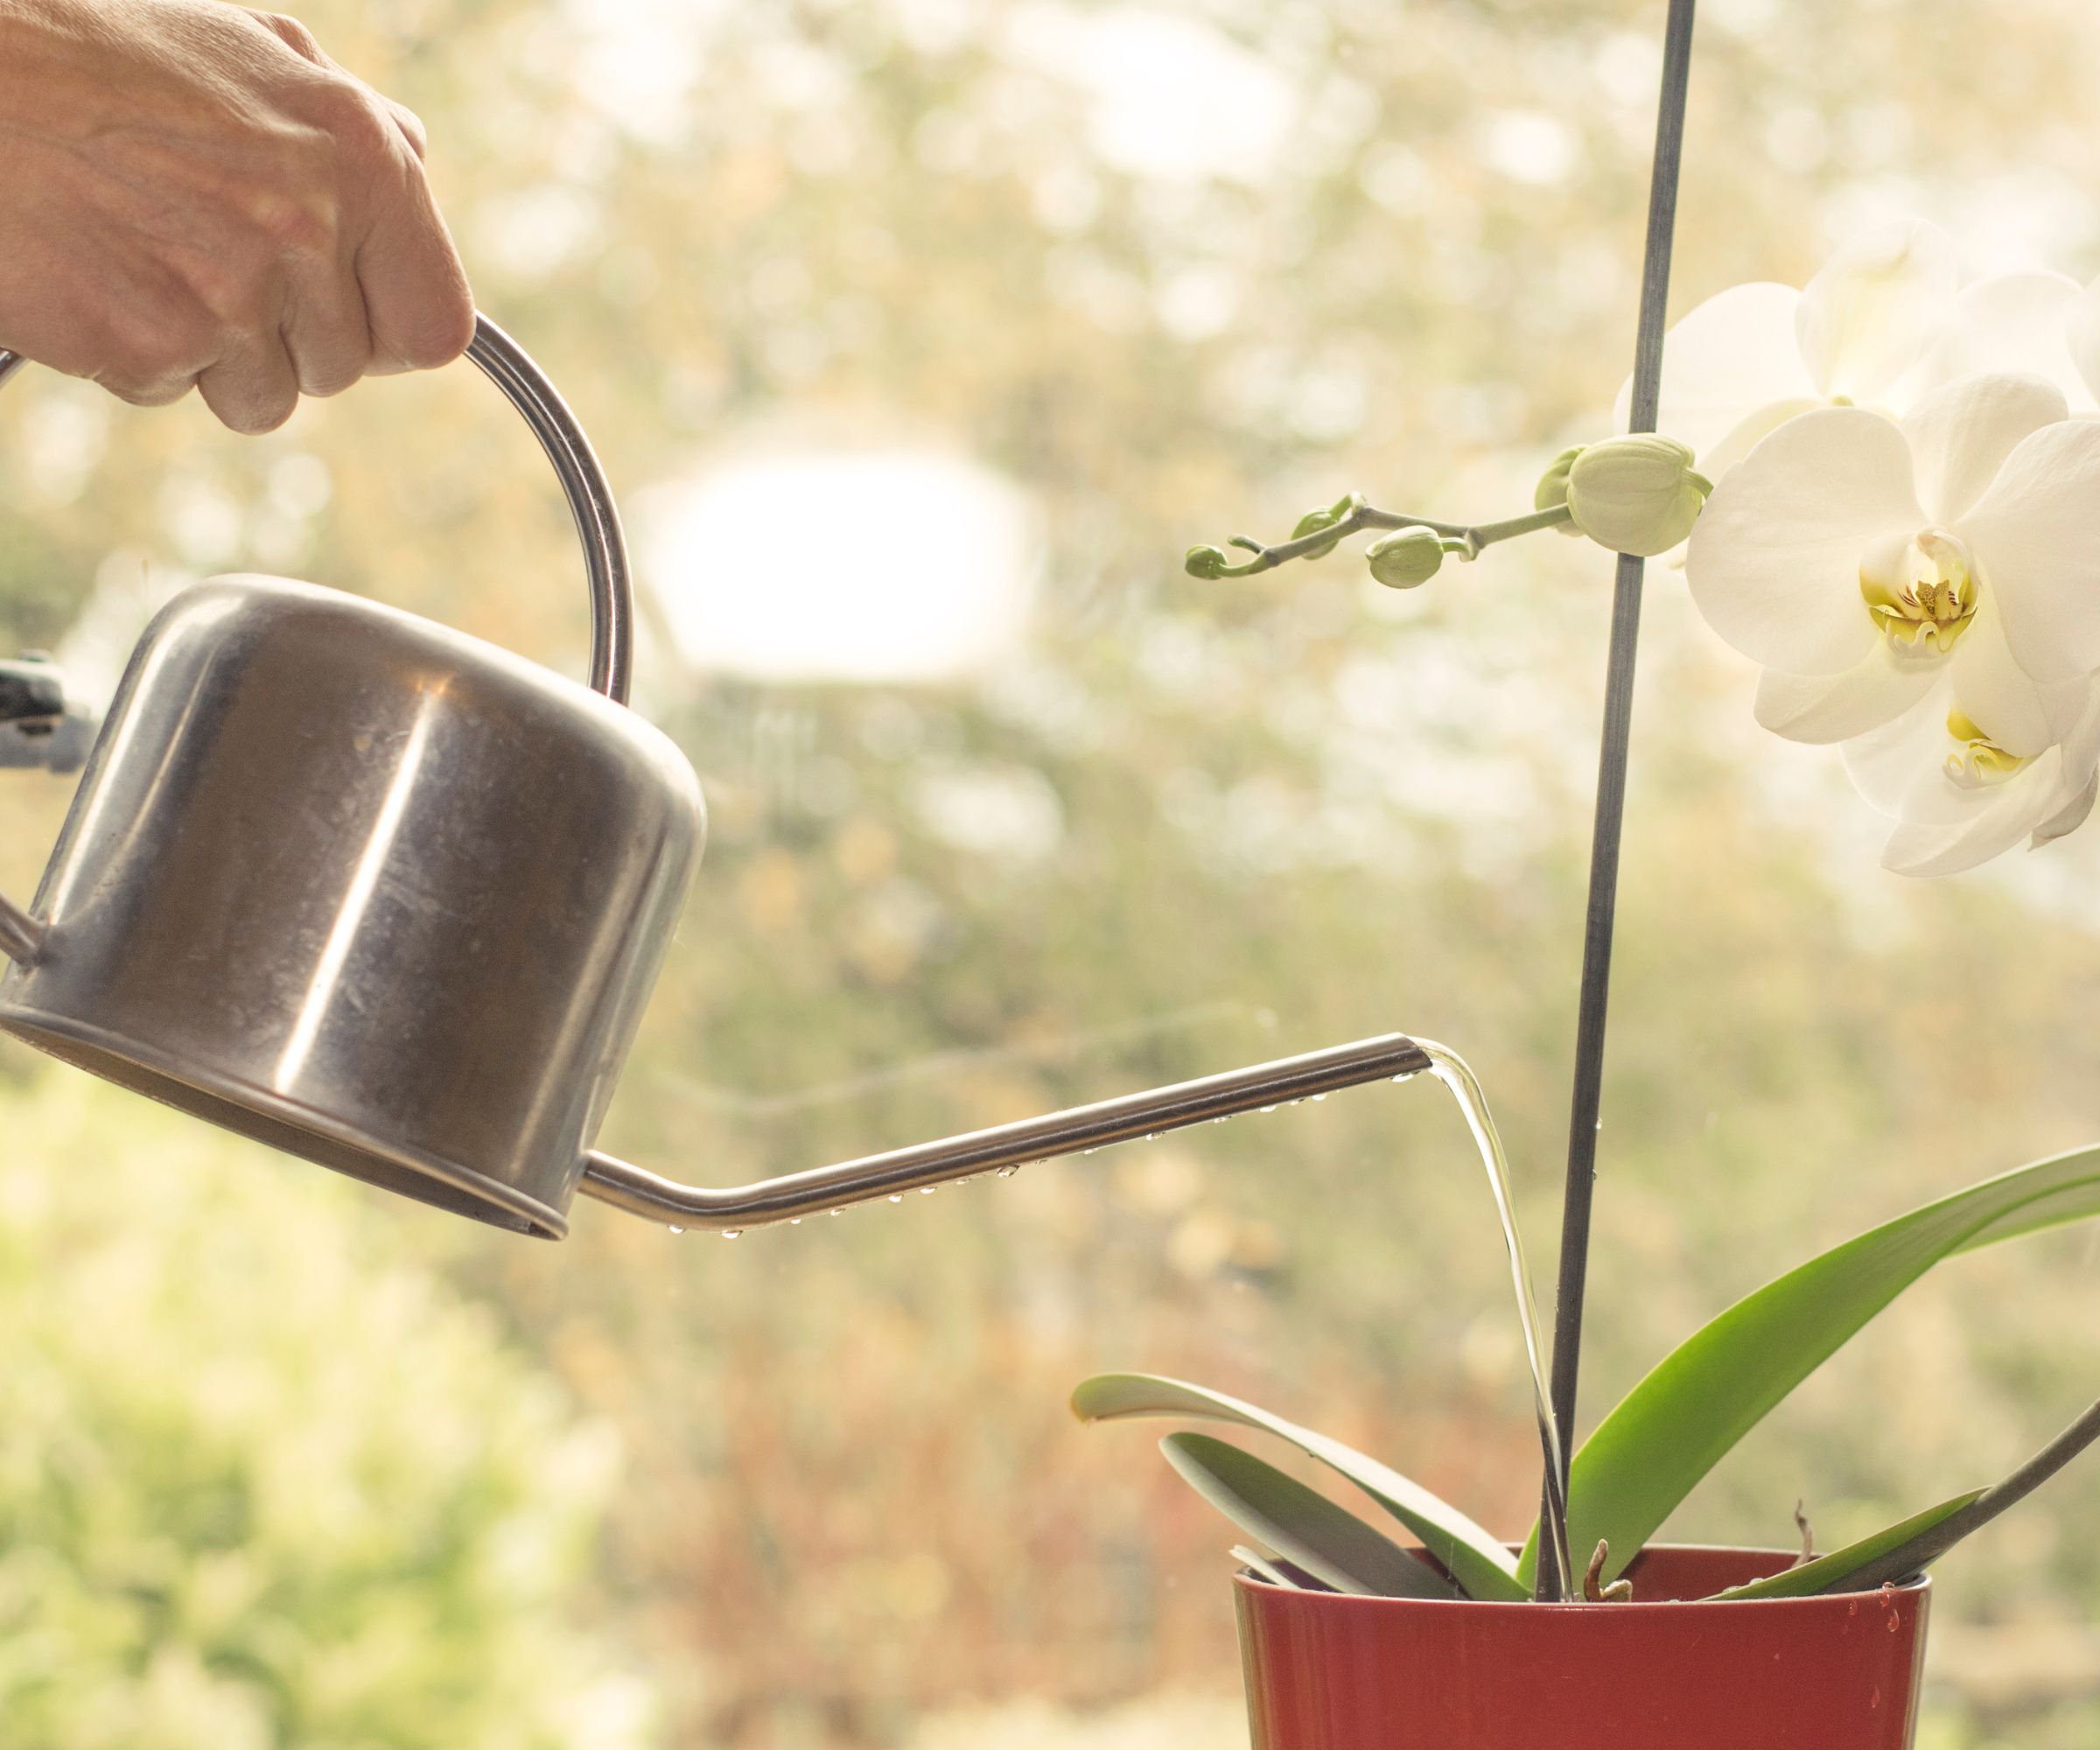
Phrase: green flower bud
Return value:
(1637, 494)
(1552, 488)
(1406, 557)
(1325, 517)
(1205, 562)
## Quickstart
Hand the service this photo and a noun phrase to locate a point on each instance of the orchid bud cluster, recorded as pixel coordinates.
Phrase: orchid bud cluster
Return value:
(1893, 512)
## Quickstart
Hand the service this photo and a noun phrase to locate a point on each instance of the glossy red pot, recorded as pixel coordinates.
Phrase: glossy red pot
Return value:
(1329, 1672)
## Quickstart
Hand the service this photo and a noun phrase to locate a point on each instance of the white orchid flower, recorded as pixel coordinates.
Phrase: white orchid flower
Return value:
(2033, 322)
(1957, 798)
(1864, 561)
(1747, 359)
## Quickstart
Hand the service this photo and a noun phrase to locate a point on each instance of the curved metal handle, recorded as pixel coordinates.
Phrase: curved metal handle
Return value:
(525, 385)
(510, 368)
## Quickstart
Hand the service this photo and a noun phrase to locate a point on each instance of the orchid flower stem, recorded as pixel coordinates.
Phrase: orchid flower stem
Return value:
(1469, 538)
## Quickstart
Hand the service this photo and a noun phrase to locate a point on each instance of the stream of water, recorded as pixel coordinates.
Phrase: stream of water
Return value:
(1454, 1073)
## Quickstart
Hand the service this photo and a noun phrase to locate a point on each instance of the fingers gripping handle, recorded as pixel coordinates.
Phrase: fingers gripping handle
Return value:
(526, 387)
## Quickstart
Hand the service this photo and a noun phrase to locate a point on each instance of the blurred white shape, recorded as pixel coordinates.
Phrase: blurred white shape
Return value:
(201, 518)
(636, 61)
(996, 811)
(1168, 96)
(1198, 302)
(530, 233)
(884, 565)
(65, 431)
(1528, 145)
(130, 587)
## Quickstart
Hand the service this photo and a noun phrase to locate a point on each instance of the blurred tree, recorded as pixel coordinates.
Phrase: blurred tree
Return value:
(264, 1485)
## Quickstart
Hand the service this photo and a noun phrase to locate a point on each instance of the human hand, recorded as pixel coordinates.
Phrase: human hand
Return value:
(191, 192)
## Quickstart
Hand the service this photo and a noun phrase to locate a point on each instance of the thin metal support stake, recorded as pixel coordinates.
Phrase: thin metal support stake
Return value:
(1611, 772)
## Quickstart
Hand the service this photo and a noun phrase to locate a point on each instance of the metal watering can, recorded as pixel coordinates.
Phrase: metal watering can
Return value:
(391, 898)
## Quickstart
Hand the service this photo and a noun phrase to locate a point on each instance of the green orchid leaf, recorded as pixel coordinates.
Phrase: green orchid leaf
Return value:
(1829, 1573)
(1299, 1523)
(1932, 1541)
(1684, 1418)
(1265, 1566)
(1483, 1567)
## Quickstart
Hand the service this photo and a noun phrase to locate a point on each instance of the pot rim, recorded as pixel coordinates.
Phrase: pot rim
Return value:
(1252, 1582)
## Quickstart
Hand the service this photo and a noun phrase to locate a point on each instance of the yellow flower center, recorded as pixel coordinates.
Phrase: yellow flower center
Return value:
(1977, 761)
(1919, 590)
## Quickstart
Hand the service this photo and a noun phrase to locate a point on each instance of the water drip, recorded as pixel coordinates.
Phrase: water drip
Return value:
(1453, 1071)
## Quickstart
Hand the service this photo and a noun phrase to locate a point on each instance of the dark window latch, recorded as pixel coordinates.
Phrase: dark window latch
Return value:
(37, 732)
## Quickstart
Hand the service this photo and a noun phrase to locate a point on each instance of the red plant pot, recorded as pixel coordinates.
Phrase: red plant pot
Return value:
(1329, 1672)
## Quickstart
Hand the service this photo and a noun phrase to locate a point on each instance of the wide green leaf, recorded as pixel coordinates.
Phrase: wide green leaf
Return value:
(1828, 1573)
(1328, 1541)
(1679, 1422)
(1483, 1567)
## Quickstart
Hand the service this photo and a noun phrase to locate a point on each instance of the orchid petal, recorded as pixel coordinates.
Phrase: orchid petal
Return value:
(2035, 534)
(1773, 563)
(2070, 818)
(1828, 708)
(1899, 769)
(1751, 431)
(1735, 351)
(1995, 693)
(2012, 322)
(1863, 319)
(1961, 435)
(2081, 337)
(2001, 817)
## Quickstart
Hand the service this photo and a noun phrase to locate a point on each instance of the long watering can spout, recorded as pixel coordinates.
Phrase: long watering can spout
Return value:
(1075, 1130)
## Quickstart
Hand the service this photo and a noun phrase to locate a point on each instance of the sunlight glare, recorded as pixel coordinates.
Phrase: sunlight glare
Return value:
(886, 565)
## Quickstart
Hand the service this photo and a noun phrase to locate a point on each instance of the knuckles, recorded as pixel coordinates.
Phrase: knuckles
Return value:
(150, 354)
(434, 333)
(294, 35)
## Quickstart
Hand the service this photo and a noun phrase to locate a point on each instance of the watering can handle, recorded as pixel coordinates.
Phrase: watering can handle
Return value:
(508, 366)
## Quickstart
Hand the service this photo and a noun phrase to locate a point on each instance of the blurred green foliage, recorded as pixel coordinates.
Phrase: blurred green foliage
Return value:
(1262, 817)
(263, 1483)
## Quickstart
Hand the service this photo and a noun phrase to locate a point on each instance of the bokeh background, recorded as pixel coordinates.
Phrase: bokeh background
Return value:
(922, 336)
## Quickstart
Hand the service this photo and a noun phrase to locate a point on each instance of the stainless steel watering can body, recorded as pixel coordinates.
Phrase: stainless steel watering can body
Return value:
(366, 889)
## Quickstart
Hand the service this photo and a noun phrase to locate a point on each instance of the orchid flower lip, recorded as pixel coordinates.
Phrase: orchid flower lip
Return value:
(1977, 762)
(1920, 590)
